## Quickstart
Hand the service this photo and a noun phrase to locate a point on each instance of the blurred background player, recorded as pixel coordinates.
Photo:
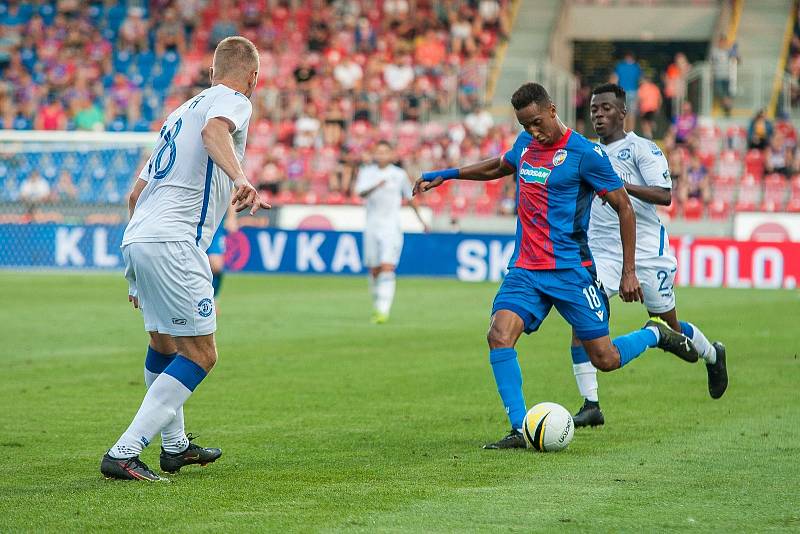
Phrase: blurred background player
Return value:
(558, 172)
(216, 252)
(197, 160)
(644, 169)
(384, 186)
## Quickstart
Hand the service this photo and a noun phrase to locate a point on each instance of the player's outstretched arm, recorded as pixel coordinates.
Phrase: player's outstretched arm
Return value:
(219, 145)
(651, 194)
(490, 169)
(629, 289)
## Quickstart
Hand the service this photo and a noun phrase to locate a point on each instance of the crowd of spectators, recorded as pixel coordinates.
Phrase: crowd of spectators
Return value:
(717, 172)
(335, 76)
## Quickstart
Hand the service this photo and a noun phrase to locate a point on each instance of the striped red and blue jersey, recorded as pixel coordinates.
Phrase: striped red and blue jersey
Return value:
(555, 187)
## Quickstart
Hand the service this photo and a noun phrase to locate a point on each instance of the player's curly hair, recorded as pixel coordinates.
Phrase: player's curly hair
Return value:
(618, 91)
(528, 94)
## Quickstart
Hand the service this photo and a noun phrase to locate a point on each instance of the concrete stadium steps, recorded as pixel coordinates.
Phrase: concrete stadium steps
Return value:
(530, 41)
(760, 37)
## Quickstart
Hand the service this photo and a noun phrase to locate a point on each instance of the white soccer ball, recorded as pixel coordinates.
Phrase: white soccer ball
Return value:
(548, 427)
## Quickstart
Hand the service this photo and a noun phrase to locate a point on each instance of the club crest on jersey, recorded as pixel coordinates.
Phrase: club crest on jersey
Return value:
(655, 150)
(624, 154)
(533, 175)
(559, 157)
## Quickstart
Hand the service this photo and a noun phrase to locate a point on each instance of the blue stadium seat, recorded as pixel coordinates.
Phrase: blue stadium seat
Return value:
(47, 12)
(145, 62)
(122, 61)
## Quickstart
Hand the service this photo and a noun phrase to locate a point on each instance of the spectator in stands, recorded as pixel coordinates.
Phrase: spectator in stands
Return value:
(87, 115)
(695, 182)
(684, 124)
(366, 40)
(430, 53)
(225, 26)
(65, 190)
(628, 74)
(759, 132)
(461, 39)
(778, 156)
(34, 189)
(478, 122)
(133, 34)
(723, 58)
(349, 74)
(271, 176)
(399, 74)
(675, 82)
(649, 105)
(51, 115)
(170, 34)
(783, 125)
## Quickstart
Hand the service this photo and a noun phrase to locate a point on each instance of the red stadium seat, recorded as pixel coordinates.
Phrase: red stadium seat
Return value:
(693, 209)
(775, 192)
(719, 210)
(459, 206)
(724, 189)
(434, 200)
(729, 165)
(749, 194)
(754, 163)
(670, 211)
(485, 205)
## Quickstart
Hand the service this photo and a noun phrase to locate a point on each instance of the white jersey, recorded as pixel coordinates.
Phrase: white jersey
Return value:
(384, 203)
(637, 161)
(187, 194)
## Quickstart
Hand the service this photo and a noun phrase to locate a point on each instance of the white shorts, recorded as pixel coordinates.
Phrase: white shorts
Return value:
(656, 276)
(173, 284)
(382, 248)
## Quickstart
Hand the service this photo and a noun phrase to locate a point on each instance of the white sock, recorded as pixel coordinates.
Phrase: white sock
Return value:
(373, 291)
(385, 283)
(173, 435)
(654, 330)
(586, 377)
(703, 346)
(164, 397)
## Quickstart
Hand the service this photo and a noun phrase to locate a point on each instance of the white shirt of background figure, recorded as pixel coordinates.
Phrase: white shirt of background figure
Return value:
(384, 186)
(637, 161)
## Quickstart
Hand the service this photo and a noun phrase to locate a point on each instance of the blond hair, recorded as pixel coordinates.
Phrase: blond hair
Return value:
(235, 57)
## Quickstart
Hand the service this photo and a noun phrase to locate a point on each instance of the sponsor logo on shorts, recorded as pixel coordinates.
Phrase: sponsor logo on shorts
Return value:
(179, 322)
(205, 307)
(559, 157)
(533, 175)
(624, 154)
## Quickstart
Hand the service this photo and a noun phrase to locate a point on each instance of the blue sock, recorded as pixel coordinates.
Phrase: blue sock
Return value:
(156, 362)
(632, 345)
(687, 329)
(186, 372)
(579, 355)
(216, 282)
(508, 377)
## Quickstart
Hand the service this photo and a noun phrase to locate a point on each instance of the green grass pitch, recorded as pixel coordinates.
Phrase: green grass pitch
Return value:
(329, 423)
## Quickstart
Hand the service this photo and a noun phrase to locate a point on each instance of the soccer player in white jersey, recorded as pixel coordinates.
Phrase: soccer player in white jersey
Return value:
(644, 169)
(176, 206)
(384, 186)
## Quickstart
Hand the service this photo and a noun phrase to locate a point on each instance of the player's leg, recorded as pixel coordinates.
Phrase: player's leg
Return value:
(160, 353)
(608, 271)
(174, 280)
(576, 295)
(517, 308)
(657, 278)
(389, 248)
(372, 262)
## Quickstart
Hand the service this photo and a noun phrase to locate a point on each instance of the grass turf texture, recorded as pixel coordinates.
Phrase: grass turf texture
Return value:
(330, 423)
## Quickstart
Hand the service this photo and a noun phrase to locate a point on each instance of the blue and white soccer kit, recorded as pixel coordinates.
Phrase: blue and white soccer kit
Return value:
(177, 214)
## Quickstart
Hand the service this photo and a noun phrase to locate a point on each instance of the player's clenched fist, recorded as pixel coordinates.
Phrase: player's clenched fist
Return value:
(422, 185)
(629, 288)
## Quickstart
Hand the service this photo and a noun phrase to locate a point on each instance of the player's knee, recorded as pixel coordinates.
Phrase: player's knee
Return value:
(604, 360)
(499, 337)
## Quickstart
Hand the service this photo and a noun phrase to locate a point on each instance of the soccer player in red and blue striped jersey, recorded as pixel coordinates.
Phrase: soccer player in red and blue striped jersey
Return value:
(558, 172)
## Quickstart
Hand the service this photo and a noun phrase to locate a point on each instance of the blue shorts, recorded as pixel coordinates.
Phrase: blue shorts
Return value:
(217, 246)
(576, 294)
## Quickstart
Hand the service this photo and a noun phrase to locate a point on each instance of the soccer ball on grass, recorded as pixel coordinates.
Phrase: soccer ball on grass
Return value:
(548, 427)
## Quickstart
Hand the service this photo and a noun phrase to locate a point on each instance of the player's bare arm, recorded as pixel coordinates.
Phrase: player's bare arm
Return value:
(652, 194)
(133, 197)
(219, 145)
(483, 171)
(414, 203)
(629, 289)
(367, 192)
